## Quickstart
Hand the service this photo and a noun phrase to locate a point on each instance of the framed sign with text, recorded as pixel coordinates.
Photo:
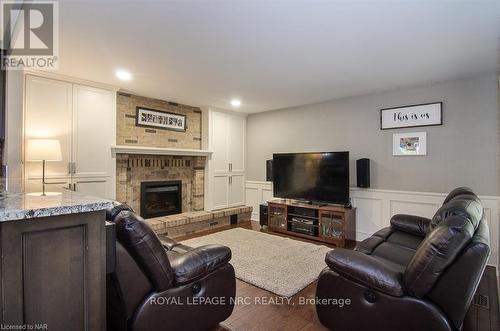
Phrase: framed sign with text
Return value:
(428, 114)
(160, 119)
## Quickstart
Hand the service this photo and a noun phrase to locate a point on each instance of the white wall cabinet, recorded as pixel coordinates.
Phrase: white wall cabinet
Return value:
(224, 135)
(83, 119)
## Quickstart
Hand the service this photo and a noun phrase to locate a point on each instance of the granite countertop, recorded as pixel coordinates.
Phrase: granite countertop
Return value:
(17, 206)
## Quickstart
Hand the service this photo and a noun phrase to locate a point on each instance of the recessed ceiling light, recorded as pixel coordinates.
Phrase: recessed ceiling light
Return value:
(235, 103)
(123, 75)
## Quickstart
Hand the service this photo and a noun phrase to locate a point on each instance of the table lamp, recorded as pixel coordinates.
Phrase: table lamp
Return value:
(43, 150)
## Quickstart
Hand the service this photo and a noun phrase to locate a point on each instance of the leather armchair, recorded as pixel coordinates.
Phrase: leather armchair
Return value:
(417, 274)
(164, 285)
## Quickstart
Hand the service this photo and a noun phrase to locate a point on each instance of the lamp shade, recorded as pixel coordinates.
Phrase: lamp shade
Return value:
(43, 149)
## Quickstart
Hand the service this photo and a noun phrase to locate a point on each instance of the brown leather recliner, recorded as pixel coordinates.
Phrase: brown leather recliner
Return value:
(417, 274)
(164, 285)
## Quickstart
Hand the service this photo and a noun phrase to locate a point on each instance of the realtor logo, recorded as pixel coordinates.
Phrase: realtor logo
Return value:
(30, 34)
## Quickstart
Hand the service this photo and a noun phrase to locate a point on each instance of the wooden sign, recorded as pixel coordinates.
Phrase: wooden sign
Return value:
(428, 114)
(160, 119)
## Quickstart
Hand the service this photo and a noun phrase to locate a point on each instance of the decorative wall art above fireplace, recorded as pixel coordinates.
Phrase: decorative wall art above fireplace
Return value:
(428, 114)
(160, 119)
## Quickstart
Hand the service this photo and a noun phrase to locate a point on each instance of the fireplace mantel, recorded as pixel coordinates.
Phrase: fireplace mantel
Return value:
(123, 149)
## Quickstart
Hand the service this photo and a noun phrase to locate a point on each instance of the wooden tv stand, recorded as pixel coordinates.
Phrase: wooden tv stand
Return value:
(326, 223)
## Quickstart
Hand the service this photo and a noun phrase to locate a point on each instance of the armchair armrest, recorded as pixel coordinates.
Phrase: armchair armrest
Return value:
(411, 224)
(198, 262)
(366, 270)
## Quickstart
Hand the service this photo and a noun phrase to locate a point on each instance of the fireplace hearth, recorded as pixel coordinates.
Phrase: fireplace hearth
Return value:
(161, 198)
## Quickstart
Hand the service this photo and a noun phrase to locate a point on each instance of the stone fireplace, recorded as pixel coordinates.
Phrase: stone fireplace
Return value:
(132, 171)
(135, 170)
(161, 173)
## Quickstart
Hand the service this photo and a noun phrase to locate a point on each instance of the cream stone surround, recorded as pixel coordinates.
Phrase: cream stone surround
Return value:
(153, 154)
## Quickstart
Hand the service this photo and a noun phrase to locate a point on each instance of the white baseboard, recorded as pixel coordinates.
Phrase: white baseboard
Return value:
(374, 208)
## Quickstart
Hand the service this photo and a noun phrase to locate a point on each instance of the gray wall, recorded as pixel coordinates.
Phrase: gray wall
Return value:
(463, 151)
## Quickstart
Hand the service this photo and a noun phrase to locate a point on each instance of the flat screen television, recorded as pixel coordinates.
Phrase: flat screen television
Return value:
(317, 177)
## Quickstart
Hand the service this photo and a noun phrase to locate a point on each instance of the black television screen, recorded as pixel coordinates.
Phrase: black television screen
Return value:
(321, 177)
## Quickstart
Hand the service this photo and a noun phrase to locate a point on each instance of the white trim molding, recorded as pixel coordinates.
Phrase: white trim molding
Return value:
(71, 79)
(374, 208)
(122, 149)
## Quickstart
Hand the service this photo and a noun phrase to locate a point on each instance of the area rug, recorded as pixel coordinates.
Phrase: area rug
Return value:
(280, 265)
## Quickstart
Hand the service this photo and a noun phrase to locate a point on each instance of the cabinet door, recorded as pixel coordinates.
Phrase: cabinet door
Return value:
(236, 143)
(332, 225)
(219, 135)
(53, 185)
(93, 134)
(277, 217)
(220, 191)
(236, 190)
(48, 114)
(97, 187)
(53, 271)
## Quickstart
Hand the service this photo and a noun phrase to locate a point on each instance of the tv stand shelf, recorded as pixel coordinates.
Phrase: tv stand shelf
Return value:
(325, 223)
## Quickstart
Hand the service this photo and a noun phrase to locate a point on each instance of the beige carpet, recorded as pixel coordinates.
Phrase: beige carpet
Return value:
(280, 265)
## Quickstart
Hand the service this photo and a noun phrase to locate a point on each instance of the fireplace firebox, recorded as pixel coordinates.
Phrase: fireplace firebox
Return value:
(161, 198)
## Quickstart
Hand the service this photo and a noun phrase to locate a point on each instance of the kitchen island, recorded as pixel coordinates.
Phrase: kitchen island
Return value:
(52, 261)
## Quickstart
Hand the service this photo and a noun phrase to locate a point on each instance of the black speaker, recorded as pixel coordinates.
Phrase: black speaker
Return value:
(269, 170)
(363, 172)
(264, 212)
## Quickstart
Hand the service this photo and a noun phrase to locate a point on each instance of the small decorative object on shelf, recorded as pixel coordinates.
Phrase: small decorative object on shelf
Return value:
(326, 223)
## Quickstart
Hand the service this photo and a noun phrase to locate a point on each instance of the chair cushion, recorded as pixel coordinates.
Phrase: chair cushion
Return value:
(412, 224)
(466, 204)
(366, 270)
(142, 243)
(368, 245)
(112, 212)
(436, 253)
(405, 239)
(167, 242)
(456, 192)
(198, 262)
(391, 264)
(395, 253)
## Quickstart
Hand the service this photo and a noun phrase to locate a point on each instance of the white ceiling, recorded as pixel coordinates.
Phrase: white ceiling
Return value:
(276, 54)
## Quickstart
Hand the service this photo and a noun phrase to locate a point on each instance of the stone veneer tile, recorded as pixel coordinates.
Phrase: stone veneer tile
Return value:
(131, 170)
(198, 216)
(175, 220)
(231, 211)
(130, 134)
(218, 214)
(192, 222)
(157, 225)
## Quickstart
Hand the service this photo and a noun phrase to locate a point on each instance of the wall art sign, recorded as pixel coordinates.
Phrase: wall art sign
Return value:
(428, 114)
(160, 119)
(411, 143)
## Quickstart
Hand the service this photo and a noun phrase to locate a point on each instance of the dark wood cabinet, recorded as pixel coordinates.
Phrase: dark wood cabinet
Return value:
(53, 272)
(325, 223)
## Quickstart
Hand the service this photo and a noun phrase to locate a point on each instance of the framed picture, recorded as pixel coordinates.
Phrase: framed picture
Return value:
(160, 119)
(411, 143)
(428, 114)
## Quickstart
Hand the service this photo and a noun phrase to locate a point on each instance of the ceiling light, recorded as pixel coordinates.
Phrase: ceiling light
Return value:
(235, 103)
(123, 75)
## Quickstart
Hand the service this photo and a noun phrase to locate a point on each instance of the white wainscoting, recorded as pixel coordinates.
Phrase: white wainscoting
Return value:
(374, 208)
